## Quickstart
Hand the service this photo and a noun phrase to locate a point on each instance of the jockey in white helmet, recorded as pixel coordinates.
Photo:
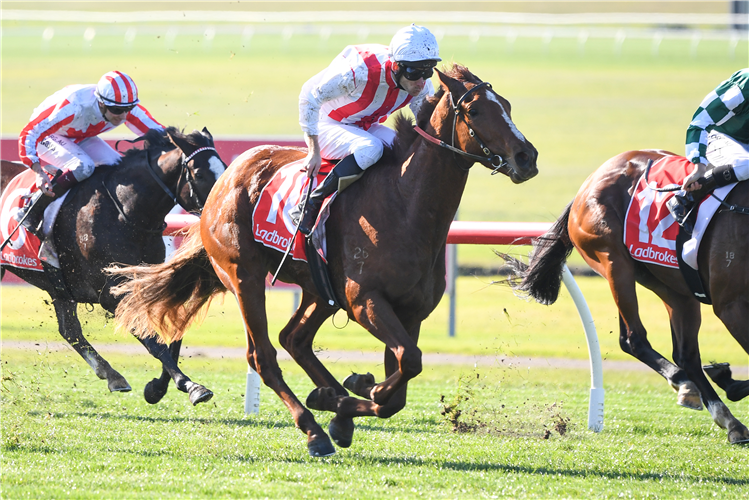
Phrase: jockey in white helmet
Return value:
(63, 132)
(341, 109)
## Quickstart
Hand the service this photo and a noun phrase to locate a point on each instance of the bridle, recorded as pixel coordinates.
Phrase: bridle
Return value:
(495, 160)
(184, 172)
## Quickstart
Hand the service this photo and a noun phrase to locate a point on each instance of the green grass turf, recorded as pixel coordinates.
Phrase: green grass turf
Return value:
(490, 321)
(65, 436)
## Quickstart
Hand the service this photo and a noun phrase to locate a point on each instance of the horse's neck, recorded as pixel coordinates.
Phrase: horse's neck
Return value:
(139, 194)
(431, 183)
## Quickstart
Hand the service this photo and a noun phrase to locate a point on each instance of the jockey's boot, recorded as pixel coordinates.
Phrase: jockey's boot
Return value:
(343, 175)
(38, 203)
(681, 205)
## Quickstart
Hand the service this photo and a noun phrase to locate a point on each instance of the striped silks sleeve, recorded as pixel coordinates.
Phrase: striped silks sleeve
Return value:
(717, 110)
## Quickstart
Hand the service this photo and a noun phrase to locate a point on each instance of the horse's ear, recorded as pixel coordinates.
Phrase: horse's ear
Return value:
(450, 84)
(180, 143)
(206, 133)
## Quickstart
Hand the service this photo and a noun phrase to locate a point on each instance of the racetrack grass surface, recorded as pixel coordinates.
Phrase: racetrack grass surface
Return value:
(65, 436)
(490, 321)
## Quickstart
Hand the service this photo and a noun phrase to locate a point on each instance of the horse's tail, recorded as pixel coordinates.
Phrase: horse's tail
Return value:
(541, 278)
(164, 299)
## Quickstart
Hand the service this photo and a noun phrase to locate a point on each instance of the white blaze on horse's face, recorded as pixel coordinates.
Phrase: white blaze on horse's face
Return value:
(512, 126)
(216, 166)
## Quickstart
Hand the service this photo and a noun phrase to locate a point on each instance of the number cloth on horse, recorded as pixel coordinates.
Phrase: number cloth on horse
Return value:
(23, 249)
(272, 224)
(650, 229)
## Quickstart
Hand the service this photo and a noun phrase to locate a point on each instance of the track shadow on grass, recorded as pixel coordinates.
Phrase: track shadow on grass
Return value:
(551, 472)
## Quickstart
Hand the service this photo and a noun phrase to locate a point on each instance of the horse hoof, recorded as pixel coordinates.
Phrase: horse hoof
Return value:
(737, 390)
(320, 446)
(118, 384)
(739, 436)
(720, 373)
(320, 399)
(153, 393)
(689, 396)
(341, 430)
(199, 394)
(361, 385)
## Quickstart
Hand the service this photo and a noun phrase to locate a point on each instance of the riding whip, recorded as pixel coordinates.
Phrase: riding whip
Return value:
(293, 236)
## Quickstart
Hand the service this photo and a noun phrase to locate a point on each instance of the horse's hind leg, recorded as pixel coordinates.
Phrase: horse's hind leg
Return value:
(169, 355)
(249, 289)
(619, 270)
(70, 328)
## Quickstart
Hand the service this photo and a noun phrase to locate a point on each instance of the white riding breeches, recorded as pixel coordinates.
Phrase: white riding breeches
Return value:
(724, 150)
(338, 141)
(62, 153)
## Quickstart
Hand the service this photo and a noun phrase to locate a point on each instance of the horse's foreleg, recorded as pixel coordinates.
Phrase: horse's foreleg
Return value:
(375, 314)
(168, 355)
(341, 427)
(297, 338)
(70, 328)
(734, 313)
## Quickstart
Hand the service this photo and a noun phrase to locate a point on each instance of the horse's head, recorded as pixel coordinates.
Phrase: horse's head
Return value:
(199, 166)
(472, 118)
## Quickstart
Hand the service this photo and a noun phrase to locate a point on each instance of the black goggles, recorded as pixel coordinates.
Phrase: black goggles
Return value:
(414, 74)
(118, 110)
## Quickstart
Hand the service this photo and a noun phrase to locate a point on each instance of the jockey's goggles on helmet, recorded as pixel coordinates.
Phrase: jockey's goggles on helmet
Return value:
(118, 110)
(415, 71)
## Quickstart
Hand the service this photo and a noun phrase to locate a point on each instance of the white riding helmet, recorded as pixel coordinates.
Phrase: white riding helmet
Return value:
(117, 89)
(414, 43)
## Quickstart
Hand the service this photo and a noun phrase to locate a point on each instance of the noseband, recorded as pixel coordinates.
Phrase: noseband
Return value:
(495, 160)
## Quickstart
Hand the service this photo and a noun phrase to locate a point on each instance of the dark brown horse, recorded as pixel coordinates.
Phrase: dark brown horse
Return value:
(594, 224)
(117, 216)
(386, 250)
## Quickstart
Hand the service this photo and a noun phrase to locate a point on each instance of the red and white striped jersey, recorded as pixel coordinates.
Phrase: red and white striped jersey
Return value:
(356, 89)
(73, 112)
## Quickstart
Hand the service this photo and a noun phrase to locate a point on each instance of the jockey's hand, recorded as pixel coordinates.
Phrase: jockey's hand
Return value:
(42, 180)
(690, 183)
(313, 161)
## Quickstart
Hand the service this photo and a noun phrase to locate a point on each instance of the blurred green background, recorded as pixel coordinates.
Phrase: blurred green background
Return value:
(582, 91)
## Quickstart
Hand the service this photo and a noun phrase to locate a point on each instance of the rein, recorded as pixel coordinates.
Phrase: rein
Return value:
(730, 208)
(184, 171)
(496, 161)
(125, 218)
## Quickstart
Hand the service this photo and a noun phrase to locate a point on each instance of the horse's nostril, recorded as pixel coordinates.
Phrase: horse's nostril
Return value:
(522, 159)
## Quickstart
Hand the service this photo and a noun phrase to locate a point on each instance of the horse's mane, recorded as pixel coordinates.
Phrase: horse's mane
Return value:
(404, 125)
(158, 139)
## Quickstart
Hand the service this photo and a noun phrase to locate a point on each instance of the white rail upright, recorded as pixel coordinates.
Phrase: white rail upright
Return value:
(595, 405)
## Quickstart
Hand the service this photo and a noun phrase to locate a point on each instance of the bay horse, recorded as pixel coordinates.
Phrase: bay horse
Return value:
(117, 215)
(386, 252)
(594, 222)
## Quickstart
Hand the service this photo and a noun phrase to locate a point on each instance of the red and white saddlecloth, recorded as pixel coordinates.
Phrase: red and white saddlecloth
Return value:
(272, 224)
(22, 251)
(650, 230)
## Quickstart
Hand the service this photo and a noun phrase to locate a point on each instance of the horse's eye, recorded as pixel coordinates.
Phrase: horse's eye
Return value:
(199, 175)
(473, 112)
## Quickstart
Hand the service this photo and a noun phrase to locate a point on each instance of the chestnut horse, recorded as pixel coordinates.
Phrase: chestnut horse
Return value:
(386, 252)
(594, 224)
(117, 215)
